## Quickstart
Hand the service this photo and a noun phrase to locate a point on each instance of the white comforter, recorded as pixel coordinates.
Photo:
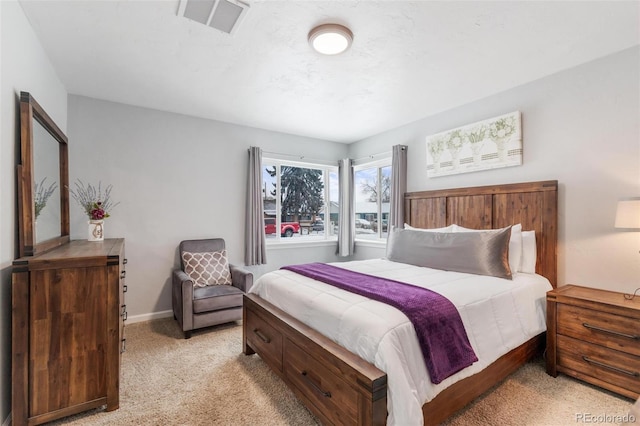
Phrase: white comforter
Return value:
(498, 315)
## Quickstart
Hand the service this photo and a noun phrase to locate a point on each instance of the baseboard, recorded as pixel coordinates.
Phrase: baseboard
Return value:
(148, 317)
(7, 421)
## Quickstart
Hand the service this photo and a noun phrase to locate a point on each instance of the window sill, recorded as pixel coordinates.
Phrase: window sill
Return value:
(283, 245)
(371, 243)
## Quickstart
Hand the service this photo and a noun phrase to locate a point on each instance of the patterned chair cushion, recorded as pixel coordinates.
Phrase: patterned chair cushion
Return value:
(206, 269)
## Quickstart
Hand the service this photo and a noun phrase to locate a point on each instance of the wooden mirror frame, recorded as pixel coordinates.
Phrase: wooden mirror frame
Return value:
(27, 246)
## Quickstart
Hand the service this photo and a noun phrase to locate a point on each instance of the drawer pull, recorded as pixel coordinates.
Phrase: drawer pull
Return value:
(262, 336)
(124, 288)
(123, 348)
(125, 261)
(615, 333)
(123, 274)
(611, 367)
(123, 313)
(326, 394)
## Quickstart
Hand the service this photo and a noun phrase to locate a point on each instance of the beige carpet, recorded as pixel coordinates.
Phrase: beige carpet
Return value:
(206, 380)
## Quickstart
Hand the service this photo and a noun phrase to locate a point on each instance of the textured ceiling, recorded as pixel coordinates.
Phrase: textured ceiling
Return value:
(408, 59)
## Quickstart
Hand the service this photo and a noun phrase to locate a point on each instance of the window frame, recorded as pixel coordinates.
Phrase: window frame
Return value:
(379, 165)
(326, 176)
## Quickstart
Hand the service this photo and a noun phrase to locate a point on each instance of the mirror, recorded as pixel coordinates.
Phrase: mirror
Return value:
(46, 180)
(43, 181)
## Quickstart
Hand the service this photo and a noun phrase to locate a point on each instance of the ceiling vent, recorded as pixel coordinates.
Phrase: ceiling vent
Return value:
(223, 15)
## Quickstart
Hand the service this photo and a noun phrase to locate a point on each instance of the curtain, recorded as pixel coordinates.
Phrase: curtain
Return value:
(346, 220)
(254, 244)
(398, 186)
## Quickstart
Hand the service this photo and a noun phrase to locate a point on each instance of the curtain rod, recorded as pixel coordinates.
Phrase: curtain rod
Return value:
(299, 157)
(302, 157)
(371, 156)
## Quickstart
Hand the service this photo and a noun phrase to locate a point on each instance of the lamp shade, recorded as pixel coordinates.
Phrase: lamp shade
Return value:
(628, 214)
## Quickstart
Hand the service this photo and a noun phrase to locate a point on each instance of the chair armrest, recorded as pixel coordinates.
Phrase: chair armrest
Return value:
(182, 298)
(180, 276)
(241, 278)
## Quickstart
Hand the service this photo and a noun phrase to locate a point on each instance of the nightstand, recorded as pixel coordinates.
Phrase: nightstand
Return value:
(594, 335)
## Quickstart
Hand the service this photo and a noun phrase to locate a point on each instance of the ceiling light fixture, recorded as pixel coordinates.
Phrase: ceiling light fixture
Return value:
(330, 39)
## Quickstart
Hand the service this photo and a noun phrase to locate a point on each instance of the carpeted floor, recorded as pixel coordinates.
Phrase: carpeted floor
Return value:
(206, 380)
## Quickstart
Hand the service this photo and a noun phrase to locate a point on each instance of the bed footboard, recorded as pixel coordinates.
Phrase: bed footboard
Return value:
(336, 385)
(342, 388)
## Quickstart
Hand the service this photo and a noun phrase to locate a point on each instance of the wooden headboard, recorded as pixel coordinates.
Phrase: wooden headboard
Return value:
(533, 204)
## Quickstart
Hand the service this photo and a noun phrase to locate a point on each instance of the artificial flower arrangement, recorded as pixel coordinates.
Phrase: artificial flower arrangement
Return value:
(96, 203)
(42, 194)
(503, 128)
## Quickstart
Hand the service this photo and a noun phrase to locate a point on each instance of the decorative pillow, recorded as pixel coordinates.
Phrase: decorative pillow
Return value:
(529, 252)
(515, 245)
(481, 253)
(205, 269)
(450, 228)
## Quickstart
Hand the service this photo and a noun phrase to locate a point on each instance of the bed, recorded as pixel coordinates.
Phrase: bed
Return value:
(341, 387)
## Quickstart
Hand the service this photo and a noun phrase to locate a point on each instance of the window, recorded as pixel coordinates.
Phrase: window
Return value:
(306, 208)
(373, 194)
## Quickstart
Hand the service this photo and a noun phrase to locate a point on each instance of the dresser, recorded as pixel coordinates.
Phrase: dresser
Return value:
(68, 314)
(594, 335)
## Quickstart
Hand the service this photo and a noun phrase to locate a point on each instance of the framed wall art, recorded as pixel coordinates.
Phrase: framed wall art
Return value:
(488, 144)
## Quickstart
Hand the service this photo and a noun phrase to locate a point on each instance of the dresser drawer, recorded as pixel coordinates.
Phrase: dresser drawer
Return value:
(264, 339)
(327, 391)
(611, 366)
(602, 328)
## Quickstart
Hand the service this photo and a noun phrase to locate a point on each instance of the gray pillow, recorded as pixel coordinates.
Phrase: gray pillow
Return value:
(481, 253)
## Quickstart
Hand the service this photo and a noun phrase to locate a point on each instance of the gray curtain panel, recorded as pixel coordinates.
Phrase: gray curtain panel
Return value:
(398, 186)
(254, 244)
(346, 220)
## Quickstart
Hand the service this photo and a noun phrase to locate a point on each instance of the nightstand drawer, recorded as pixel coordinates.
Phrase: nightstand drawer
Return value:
(596, 361)
(602, 328)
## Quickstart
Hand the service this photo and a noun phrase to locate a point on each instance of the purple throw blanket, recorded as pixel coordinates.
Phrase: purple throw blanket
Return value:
(441, 334)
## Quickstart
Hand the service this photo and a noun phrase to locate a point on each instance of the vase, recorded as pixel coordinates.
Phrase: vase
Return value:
(455, 158)
(436, 161)
(96, 230)
(501, 149)
(476, 148)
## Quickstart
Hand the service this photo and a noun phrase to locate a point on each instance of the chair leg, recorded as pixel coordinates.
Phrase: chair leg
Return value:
(187, 334)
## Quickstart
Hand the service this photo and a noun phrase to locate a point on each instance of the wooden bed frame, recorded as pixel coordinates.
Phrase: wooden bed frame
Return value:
(341, 388)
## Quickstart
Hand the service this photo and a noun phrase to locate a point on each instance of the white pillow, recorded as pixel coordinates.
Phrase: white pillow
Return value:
(515, 244)
(529, 252)
(450, 228)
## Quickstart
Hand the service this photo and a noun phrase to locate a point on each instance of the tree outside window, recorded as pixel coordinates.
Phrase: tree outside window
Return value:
(303, 204)
(302, 193)
(373, 194)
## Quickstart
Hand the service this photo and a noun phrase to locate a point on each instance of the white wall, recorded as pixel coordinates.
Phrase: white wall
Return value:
(581, 127)
(24, 66)
(176, 177)
(180, 177)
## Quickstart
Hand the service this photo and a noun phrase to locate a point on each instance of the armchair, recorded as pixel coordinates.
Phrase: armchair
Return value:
(197, 306)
